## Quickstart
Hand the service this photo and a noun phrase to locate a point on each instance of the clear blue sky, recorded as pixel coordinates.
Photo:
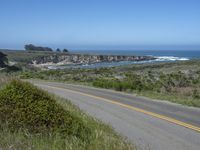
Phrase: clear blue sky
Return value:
(101, 24)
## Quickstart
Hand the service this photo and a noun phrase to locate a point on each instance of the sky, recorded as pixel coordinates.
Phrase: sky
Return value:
(101, 24)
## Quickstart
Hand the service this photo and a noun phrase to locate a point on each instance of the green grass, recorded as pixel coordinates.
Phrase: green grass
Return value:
(172, 98)
(5, 78)
(23, 56)
(25, 107)
(178, 82)
(32, 119)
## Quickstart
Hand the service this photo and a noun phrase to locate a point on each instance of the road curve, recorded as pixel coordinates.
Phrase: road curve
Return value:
(154, 125)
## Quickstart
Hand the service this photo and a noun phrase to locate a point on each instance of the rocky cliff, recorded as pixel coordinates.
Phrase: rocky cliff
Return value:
(85, 59)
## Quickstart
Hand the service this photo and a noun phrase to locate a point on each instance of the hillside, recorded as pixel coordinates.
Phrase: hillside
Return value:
(177, 82)
(24, 56)
(32, 119)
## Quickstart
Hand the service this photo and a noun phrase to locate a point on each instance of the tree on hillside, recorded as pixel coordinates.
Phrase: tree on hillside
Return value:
(31, 47)
(65, 51)
(58, 50)
(3, 59)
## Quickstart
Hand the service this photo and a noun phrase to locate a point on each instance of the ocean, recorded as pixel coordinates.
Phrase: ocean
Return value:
(189, 54)
(161, 55)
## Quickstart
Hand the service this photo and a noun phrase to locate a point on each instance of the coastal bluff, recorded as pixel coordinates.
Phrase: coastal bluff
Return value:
(77, 59)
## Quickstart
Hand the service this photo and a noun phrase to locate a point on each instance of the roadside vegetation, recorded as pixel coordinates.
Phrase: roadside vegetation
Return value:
(177, 82)
(30, 118)
(5, 79)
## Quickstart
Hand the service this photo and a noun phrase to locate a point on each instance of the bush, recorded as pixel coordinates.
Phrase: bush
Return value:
(25, 107)
(11, 69)
(196, 94)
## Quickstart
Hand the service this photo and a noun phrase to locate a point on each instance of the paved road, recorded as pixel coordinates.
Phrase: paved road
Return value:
(150, 124)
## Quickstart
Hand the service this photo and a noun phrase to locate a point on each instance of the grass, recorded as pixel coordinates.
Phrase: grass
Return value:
(24, 56)
(32, 119)
(5, 79)
(25, 107)
(172, 98)
(178, 82)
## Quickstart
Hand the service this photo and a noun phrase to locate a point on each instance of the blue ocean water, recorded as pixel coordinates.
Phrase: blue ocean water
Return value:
(190, 54)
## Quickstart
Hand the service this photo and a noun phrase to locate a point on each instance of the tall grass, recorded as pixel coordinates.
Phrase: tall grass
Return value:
(6, 78)
(101, 137)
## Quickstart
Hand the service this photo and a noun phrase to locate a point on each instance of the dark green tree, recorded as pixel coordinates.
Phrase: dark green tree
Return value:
(58, 50)
(65, 50)
(31, 47)
(3, 59)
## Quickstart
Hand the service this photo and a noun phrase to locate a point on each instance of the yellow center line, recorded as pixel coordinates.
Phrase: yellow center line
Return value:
(195, 128)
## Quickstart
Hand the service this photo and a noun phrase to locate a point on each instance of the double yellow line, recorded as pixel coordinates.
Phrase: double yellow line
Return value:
(195, 128)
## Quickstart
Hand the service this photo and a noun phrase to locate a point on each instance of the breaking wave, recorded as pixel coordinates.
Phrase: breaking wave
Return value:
(171, 58)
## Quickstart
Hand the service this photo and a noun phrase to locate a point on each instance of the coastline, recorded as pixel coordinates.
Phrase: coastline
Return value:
(57, 60)
(96, 59)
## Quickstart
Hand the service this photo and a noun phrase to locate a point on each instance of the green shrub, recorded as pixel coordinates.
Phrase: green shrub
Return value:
(12, 69)
(196, 94)
(25, 107)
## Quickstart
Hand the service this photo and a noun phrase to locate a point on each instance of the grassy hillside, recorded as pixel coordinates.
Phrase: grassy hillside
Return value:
(32, 119)
(177, 82)
(23, 56)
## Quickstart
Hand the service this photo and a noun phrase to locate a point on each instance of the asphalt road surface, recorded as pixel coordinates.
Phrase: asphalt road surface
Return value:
(150, 124)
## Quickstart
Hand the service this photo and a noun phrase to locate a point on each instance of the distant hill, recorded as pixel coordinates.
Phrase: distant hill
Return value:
(31, 47)
(25, 56)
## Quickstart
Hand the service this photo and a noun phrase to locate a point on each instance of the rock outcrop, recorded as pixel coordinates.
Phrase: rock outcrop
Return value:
(62, 59)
